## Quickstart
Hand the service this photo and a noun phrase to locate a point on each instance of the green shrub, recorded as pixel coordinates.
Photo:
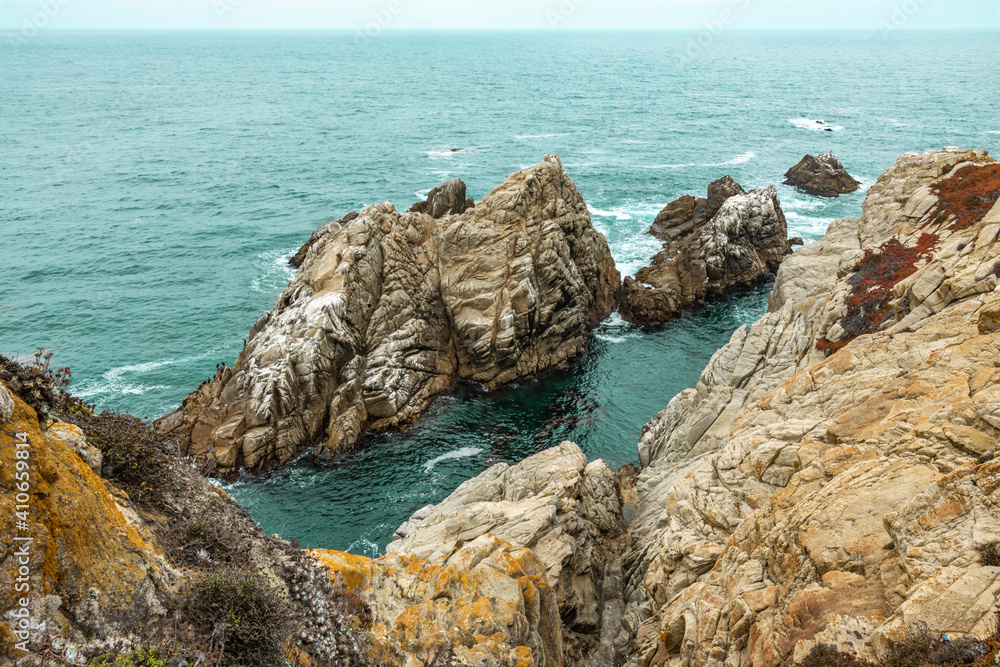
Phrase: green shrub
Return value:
(140, 657)
(244, 616)
(44, 390)
(132, 458)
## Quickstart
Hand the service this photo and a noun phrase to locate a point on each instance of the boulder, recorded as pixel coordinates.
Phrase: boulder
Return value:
(729, 241)
(446, 199)
(822, 175)
(389, 310)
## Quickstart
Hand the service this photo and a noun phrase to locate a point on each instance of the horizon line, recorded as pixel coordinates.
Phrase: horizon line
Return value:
(353, 29)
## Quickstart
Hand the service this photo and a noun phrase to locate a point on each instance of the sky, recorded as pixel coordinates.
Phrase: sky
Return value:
(380, 15)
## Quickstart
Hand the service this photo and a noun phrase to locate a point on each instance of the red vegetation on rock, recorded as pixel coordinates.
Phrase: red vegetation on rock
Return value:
(872, 283)
(967, 196)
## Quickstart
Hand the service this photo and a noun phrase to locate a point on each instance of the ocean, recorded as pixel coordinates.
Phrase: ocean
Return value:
(153, 185)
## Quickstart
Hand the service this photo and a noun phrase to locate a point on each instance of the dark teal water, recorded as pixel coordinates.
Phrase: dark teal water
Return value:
(152, 185)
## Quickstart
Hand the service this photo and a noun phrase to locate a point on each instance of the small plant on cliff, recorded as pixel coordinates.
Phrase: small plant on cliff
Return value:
(824, 655)
(872, 283)
(242, 614)
(967, 196)
(132, 458)
(44, 390)
(989, 554)
(140, 657)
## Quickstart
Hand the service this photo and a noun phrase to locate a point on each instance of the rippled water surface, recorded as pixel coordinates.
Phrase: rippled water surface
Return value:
(152, 186)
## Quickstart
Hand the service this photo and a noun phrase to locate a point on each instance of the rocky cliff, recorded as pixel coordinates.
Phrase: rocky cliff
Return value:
(730, 240)
(388, 310)
(805, 492)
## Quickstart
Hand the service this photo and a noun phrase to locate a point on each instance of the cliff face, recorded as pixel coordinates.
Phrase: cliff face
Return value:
(792, 497)
(87, 557)
(817, 486)
(388, 310)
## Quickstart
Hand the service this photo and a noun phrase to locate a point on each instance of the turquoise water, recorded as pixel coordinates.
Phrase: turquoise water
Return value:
(153, 184)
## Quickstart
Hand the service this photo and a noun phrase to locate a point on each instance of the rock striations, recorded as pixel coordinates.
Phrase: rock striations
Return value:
(388, 310)
(823, 176)
(731, 240)
(797, 495)
(832, 479)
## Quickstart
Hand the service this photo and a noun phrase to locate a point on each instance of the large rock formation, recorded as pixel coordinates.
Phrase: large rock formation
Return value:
(389, 310)
(822, 175)
(793, 497)
(799, 494)
(729, 241)
(88, 560)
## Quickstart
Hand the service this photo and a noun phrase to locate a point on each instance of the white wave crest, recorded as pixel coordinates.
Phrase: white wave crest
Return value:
(818, 125)
(463, 453)
(618, 215)
(275, 271)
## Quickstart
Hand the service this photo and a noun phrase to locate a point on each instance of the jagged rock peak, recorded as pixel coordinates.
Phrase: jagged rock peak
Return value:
(446, 199)
(388, 310)
(731, 240)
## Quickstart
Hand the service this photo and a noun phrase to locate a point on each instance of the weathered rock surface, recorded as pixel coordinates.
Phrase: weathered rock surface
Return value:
(91, 562)
(447, 199)
(486, 603)
(389, 310)
(566, 520)
(793, 498)
(729, 241)
(821, 175)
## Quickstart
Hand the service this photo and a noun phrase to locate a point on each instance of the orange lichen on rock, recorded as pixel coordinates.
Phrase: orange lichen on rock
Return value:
(487, 602)
(101, 566)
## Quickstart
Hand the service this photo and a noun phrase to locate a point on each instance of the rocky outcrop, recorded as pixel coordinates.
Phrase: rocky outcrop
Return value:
(446, 199)
(731, 240)
(299, 257)
(568, 520)
(87, 559)
(794, 498)
(86, 572)
(486, 602)
(822, 175)
(389, 310)
(686, 214)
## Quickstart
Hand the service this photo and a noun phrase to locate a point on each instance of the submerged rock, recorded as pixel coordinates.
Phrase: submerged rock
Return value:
(730, 240)
(822, 175)
(388, 310)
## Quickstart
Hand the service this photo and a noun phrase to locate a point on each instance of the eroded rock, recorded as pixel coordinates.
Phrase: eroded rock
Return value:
(822, 176)
(793, 498)
(570, 514)
(389, 310)
(730, 241)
